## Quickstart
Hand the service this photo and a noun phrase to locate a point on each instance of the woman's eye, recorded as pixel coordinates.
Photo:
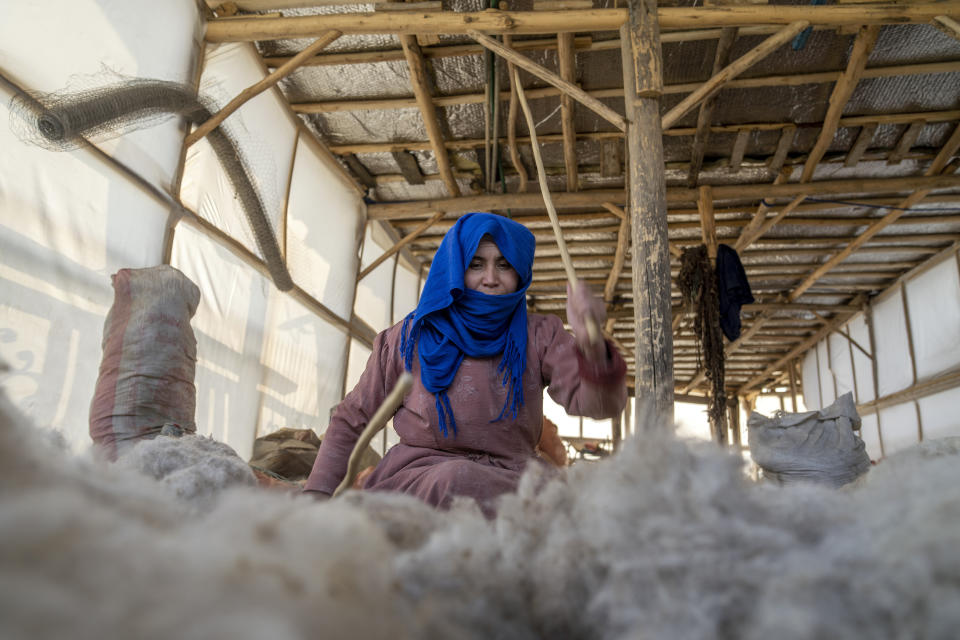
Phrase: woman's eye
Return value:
(474, 265)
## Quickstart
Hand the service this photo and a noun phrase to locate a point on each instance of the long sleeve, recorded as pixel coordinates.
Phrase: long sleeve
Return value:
(353, 413)
(594, 390)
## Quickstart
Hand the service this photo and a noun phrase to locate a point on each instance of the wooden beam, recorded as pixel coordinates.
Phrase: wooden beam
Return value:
(623, 243)
(842, 91)
(708, 229)
(739, 148)
(948, 25)
(942, 382)
(421, 84)
(360, 171)
(610, 159)
(747, 238)
(548, 76)
(643, 86)
(260, 86)
(250, 29)
(906, 141)
(787, 134)
(674, 195)
(951, 146)
(697, 149)
(409, 168)
(864, 138)
(568, 72)
(744, 62)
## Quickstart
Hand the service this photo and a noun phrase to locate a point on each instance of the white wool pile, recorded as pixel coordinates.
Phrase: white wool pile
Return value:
(665, 540)
(194, 468)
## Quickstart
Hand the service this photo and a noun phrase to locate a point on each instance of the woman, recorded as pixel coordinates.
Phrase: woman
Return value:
(480, 363)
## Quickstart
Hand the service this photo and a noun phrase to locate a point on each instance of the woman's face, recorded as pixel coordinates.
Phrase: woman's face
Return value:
(489, 272)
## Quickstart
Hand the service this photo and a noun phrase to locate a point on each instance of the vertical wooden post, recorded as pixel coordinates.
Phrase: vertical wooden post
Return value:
(643, 86)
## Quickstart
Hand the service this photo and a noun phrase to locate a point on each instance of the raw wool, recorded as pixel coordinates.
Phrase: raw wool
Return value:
(666, 539)
(194, 468)
(816, 446)
(149, 359)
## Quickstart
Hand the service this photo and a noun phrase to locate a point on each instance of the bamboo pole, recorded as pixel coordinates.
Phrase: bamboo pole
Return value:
(650, 256)
(568, 67)
(260, 86)
(708, 229)
(593, 333)
(377, 422)
(512, 126)
(577, 20)
(420, 82)
(842, 91)
(546, 75)
(747, 60)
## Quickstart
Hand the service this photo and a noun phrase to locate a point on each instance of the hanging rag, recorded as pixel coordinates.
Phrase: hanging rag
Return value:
(733, 290)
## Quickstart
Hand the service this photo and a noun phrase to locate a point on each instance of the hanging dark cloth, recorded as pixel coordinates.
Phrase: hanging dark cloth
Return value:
(733, 290)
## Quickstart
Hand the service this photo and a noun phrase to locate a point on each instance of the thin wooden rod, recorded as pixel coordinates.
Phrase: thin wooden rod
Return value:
(714, 84)
(379, 419)
(623, 243)
(577, 20)
(842, 91)
(259, 87)
(546, 75)
(708, 229)
(593, 334)
(407, 239)
(948, 25)
(420, 83)
(568, 66)
(512, 126)
(751, 235)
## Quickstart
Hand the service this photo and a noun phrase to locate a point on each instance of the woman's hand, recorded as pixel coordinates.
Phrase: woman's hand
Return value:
(582, 303)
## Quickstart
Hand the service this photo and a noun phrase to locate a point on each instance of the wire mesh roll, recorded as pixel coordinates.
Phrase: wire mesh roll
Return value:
(66, 121)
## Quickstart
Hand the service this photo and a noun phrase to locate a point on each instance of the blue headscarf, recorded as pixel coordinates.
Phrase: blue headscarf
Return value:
(452, 321)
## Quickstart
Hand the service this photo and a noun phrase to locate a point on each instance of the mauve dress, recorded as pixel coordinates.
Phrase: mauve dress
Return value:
(486, 456)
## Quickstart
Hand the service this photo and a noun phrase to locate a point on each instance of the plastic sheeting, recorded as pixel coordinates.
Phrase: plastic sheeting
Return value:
(932, 298)
(70, 220)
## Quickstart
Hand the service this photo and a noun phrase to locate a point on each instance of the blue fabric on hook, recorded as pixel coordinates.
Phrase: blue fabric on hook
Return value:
(451, 321)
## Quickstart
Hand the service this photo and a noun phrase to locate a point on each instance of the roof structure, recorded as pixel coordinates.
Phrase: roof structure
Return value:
(818, 141)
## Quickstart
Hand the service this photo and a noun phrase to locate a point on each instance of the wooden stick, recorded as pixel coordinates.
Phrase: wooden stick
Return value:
(751, 235)
(842, 91)
(512, 127)
(250, 29)
(259, 87)
(532, 67)
(744, 62)
(906, 141)
(407, 239)
(568, 67)
(593, 333)
(420, 82)
(864, 138)
(623, 242)
(708, 229)
(384, 412)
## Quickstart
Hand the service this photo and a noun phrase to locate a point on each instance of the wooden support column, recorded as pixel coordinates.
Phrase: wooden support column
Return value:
(421, 88)
(568, 71)
(643, 86)
(708, 226)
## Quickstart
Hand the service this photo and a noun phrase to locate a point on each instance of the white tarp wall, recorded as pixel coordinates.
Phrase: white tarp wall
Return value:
(69, 220)
(901, 360)
(266, 359)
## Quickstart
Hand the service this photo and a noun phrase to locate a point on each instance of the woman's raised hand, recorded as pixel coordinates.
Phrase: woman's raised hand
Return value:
(582, 303)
